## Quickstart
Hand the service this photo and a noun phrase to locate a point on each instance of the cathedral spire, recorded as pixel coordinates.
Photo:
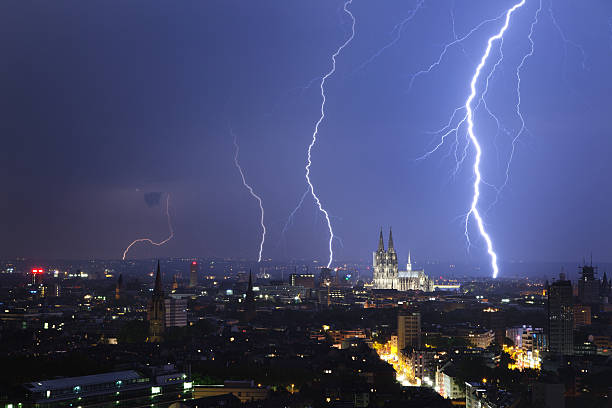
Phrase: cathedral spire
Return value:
(158, 284)
(409, 266)
(381, 243)
(391, 240)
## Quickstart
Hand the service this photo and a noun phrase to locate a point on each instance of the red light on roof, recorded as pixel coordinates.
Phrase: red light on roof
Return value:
(37, 271)
(194, 263)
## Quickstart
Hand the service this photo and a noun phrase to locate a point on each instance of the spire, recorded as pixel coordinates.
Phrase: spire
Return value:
(381, 243)
(250, 286)
(158, 284)
(391, 239)
(409, 266)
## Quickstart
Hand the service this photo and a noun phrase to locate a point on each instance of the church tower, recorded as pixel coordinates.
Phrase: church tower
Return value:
(157, 311)
(249, 301)
(385, 265)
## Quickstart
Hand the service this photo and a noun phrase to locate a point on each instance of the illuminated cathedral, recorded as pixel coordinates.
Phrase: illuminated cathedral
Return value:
(387, 274)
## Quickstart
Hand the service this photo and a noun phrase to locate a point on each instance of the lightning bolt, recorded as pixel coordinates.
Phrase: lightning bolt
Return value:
(466, 115)
(316, 130)
(258, 198)
(151, 241)
(474, 141)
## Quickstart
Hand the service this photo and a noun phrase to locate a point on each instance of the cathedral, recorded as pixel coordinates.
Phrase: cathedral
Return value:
(387, 274)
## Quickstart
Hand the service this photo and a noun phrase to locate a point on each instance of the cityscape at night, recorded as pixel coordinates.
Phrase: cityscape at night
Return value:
(321, 204)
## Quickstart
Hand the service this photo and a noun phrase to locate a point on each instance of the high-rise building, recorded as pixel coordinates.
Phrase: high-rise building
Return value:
(119, 287)
(561, 316)
(176, 312)
(193, 275)
(408, 330)
(157, 311)
(37, 276)
(588, 286)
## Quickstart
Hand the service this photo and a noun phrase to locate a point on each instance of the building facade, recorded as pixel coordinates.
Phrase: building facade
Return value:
(176, 312)
(561, 316)
(193, 274)
(408, 330)
(387, 274)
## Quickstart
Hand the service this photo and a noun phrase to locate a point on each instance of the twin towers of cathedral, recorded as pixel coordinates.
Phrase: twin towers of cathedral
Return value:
(386, 270)
(385, 264)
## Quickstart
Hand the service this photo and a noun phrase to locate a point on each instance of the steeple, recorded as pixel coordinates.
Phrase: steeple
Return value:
(157, 311)
(391, 240)
(158, 283)
(250, 286)
(249, 301)
(381, 243)
(409, 265)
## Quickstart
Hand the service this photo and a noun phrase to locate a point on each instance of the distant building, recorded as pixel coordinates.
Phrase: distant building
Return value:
(119, 287)
(408, 330)
(561, 316)
(447, 382)
(57, 289)
(534, 340)
(588, 286)
(176, 312)
(159, 385)
(582, 315)
(306, 280)
(247, 391)
(249, 301)
(157, 311)
(480, 338)
(387, 274)
(37, 276)
(193, 275)
(479, 395)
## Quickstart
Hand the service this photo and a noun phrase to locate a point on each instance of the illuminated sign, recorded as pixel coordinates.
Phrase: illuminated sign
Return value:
(37, 271)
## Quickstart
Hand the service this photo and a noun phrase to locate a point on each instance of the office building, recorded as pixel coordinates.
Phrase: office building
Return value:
(193, 275)
(176, 312)
(305, 280)
(408, 330)
(561, 316)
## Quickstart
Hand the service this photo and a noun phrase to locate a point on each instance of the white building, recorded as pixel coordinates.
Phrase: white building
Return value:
(387, 274)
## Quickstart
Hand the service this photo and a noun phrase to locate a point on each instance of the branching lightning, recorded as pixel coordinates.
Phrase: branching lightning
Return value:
(465, 114)
(566, 41)
(258, 198)
(519, 113)
(150, 240)
(447, 47)
(398, 34)
(289, 221)
(316, 130)
(474, 140)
